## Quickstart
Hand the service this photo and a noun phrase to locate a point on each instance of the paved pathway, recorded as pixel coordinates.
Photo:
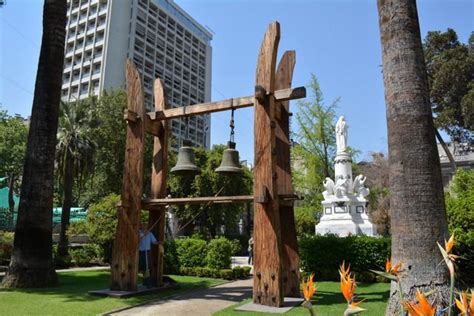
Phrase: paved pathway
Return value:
(197, 303)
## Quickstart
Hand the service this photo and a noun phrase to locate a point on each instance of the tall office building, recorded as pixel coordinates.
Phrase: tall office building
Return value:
(160, 37)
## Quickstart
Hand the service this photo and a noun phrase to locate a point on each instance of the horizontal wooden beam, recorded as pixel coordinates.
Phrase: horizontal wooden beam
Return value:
(151, 203)
(225, 105)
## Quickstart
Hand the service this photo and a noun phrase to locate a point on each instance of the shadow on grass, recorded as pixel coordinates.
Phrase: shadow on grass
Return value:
(74, 286)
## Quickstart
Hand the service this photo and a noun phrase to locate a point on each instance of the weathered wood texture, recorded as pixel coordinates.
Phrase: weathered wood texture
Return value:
(218, 106)
(125, 251)
(158, 182)
(290, 259)
(152, 204)
(267, 285)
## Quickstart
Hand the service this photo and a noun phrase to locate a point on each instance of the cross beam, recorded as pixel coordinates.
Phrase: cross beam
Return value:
(225, 105)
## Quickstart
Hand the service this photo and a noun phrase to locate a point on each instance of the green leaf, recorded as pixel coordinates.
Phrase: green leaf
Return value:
(385, 275)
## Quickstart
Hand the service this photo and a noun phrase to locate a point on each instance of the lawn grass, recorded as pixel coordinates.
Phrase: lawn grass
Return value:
(328, 301)
(71, 298)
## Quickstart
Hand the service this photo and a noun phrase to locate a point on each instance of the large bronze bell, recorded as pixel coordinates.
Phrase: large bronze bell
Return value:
(185, 165)
(230, 161)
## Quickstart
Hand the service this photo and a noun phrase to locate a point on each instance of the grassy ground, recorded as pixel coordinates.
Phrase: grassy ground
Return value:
(328, 301)
(71, 298)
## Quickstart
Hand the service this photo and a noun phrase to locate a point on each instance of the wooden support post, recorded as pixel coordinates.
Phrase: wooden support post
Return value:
(290, 260)
(125, 250)
(158, 183)
(267, 285)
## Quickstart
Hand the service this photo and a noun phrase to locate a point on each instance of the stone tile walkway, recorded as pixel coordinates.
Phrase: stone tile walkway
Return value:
(197, 303)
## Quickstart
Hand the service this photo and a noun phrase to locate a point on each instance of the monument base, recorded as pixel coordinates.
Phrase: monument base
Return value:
(345, 227)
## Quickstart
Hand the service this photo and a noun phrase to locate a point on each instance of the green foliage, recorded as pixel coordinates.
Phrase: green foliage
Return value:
(110, 139)
(101, 220)
(13, 138)
(191, 252)
(460, 211)
(77, 228)
(219, 252)
(315, 146)
(86, 255)
(208, 218)
(304, 220)
(323, 255)
(450, 67)
(6, 245)
(171, 259)
(228, 274)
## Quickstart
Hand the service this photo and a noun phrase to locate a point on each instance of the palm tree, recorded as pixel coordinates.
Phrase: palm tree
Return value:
(418, 217)
(75, 156)
(31, 263)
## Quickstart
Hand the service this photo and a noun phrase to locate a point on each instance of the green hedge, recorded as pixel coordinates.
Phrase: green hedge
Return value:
(219, 253)
(191, 252)
(228, 274)
(322, 255)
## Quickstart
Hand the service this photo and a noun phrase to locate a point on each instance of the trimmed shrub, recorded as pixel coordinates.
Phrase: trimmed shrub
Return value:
(86, 255)
(219, 253)
(6, 245)
(241, 272)
(226, 274)
(323, 255)
(191, 252)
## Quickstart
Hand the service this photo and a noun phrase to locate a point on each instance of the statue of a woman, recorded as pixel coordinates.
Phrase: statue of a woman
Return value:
(341, 135)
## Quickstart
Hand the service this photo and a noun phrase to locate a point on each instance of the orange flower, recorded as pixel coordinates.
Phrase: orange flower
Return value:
(422, 308)
(343, 271)
(348, 286)
(462, 305)
(308, 288)
(471, 305)
(395, 270)
(448, 245)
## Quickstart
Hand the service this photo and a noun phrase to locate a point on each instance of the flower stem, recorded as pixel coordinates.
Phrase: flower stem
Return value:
(400, 293)
(451, 290)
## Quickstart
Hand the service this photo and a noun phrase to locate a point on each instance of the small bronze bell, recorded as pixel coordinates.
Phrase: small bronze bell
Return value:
(185, 165)
(230, 161)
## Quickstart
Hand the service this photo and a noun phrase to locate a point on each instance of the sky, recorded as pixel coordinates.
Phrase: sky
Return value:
(337, 40)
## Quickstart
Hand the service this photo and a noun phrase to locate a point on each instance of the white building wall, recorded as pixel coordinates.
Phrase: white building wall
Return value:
(162, 40)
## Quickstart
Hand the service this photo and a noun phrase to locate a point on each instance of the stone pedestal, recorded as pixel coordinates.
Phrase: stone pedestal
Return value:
(345, 217)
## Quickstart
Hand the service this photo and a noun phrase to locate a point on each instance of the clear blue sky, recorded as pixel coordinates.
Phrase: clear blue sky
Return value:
(336, 40)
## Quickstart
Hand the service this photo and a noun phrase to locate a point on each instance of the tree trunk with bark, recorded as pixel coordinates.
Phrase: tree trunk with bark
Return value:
(31, 263)
(66, 207)
(418, 217)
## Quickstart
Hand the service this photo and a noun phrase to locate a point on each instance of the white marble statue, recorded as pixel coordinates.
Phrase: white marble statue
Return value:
(341, 135)
(341, 188)
(329, 186)
(358, 187)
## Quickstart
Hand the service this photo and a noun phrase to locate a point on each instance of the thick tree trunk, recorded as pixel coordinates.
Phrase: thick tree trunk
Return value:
(418, 217)
(31, 264)
(66, 207)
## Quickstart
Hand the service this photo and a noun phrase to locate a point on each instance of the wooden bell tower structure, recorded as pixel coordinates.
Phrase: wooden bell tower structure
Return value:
(276, 259)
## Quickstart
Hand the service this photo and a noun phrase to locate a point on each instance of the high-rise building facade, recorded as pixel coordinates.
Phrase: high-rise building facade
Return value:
(160, 37)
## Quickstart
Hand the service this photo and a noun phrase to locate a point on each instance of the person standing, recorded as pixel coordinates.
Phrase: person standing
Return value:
(145, 260)
(250, 249)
